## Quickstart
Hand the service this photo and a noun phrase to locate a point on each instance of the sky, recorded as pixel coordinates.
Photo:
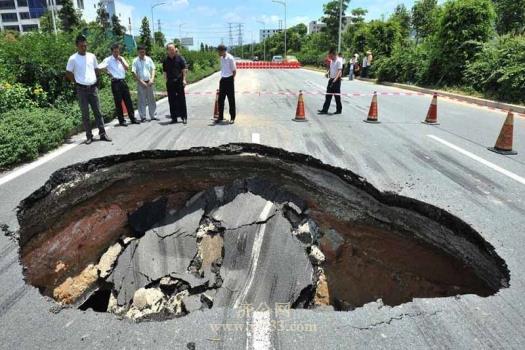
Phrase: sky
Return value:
(207, 20)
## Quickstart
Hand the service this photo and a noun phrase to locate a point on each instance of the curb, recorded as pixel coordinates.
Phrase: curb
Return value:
(473, 100)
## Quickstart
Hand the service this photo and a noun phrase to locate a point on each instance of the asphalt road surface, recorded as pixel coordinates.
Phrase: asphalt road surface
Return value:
(447, 165)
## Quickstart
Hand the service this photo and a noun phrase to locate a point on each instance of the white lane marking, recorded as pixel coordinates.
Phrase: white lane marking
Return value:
(481, 160)
(261, 331)
(256, 138)
(26, 168)
(256, 251)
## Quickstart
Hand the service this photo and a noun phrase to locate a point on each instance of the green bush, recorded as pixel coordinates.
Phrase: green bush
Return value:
(25, 133)
(499, 69)
(15, 96)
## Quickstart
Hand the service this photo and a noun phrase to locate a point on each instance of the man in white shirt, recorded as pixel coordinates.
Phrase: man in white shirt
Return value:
(82, 69)
(227, 84)
(334, 84)
(143, 69)
(116, 66)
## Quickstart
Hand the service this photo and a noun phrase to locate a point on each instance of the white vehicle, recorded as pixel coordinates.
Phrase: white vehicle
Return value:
(277, 59)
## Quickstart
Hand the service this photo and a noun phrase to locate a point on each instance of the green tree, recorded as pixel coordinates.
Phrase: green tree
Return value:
(69, 17)
(46, 22)
(358, 15)
(402, 16)
(510, 16)
(145, 34)
(202, 47)
(424, 18)
(118, 29)
(382, 37)
(160, 39)
(331, 18)
(463, 27)
(103, 16)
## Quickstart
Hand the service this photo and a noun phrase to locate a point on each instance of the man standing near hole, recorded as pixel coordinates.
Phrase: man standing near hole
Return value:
(175, 70)
(143, 70)
(82, 69)
(227, 84)
(334, 84)
(116, 66)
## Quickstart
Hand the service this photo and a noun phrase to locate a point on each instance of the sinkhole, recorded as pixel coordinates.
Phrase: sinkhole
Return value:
(160, 234)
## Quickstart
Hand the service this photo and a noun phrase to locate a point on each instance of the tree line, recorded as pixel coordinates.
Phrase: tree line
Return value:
(470, 44)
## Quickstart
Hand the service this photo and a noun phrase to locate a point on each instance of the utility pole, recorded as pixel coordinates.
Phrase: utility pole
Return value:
(340, 25)
(158, 26)
(239, 39)
(129, 25)
(52, 4)
(263, 39)
(283, 2)
(230, 35)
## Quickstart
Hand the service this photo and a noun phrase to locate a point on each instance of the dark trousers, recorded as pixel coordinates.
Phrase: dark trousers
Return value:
(227, 88)
(333, 88)
(120, 91)
(177, 99)
(88, 96)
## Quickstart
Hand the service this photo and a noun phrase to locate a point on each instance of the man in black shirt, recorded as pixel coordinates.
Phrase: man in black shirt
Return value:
(174, 67)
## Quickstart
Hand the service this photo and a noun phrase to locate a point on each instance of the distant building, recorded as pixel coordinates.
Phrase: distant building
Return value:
(24, 15)
(266, 33)
(315, 27)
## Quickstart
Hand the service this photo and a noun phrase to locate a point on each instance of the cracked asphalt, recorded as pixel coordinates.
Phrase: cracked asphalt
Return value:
(397, 155)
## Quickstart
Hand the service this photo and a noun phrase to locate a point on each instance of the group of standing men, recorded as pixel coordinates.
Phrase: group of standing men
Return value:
(83, 70)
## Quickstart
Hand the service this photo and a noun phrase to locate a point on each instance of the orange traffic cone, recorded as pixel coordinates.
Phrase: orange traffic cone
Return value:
(372, 113)
(432, 117)
(216, 108)
(299, 112)
(124, 109)
(504, 141)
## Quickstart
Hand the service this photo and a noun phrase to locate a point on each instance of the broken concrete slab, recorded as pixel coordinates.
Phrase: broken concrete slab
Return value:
(245, 209)
(254, 269)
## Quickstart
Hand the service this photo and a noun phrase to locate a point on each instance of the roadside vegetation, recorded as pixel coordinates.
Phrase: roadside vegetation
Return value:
(38, 108)
(462, 45)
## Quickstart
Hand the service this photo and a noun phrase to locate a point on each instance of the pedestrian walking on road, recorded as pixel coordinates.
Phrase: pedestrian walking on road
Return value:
(334, 84)
(367, 63)
(143, 70)
(82, 69)
(175, 70)
(227, 84)
(116, 66)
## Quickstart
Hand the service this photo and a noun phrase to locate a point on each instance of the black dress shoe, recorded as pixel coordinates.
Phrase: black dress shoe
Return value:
(174, 121)
(338, 112)
(134, 121)
(122, 123)
(232, 121)
(89, 140)
(217, 121)
(143, 120)
(105, 137)
(322, 112)
(154, 118)
(184, 121)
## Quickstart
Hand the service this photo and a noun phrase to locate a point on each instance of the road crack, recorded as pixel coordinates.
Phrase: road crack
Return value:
(395, 318)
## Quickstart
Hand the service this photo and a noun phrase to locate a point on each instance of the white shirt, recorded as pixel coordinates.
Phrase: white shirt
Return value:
(143, 68)
(115, 67)
(83, 68)
(335, 66)
(365, 62)
(228, 66)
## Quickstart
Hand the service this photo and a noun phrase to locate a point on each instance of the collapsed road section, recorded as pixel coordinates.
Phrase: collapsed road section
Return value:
(159, 234)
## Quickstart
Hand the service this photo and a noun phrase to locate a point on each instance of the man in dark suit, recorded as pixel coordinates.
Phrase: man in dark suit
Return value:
(175, 70)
